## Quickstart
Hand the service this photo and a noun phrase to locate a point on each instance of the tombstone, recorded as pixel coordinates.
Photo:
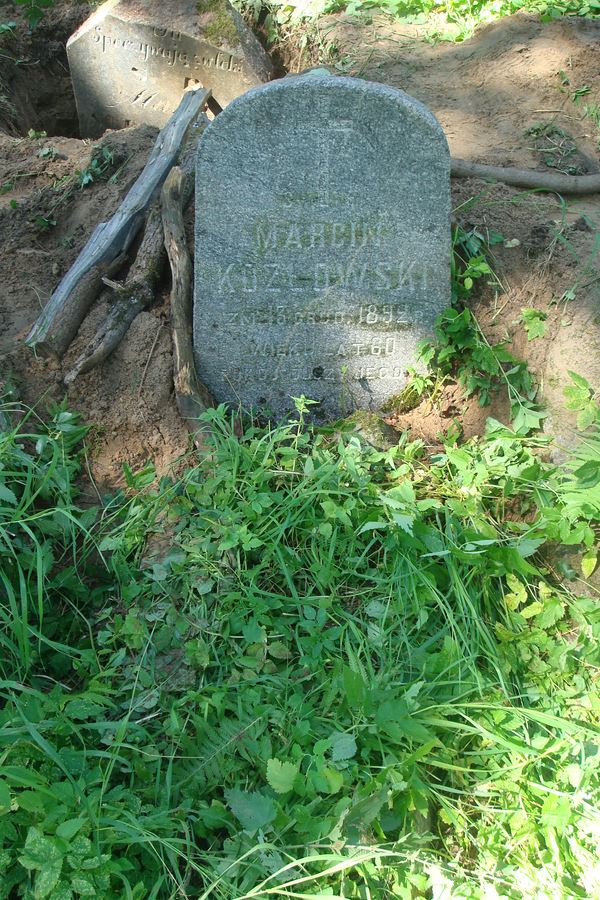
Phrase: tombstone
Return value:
(132, 59)
(322, 244)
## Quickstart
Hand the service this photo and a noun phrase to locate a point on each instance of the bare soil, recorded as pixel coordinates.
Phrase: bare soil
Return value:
(488, 93)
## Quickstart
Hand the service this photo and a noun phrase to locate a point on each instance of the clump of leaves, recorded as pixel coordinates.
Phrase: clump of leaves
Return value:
(48, 153)
(44, 223)
(458, 19)
(462, 350)
(470, 261)
(581, 396)
(34, 10)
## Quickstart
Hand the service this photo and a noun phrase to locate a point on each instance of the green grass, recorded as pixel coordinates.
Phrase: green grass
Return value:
(303, 668)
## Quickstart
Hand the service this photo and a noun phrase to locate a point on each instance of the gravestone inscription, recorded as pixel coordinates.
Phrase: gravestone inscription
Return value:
(322, 243)
(132, 59)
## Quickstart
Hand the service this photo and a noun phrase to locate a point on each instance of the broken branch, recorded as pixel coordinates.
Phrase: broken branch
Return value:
(129, 298)
(137, 293)
(68, 305)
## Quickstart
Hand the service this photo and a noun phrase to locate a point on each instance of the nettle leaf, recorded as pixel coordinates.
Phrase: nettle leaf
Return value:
(375, 609)
(62, 891)
(278, 650)
(7, 495)
(553, 612)
(281, 775)
(528, 546)
(343, 746)
(83, 886)
(252, 809)
(80, 708)
(80, 848)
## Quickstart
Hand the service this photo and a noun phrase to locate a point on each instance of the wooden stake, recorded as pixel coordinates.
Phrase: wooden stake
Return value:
(192, 396)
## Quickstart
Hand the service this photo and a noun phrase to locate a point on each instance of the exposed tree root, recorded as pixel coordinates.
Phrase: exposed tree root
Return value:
(526, 178)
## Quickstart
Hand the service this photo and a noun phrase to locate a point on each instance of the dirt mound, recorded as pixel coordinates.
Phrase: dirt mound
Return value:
(45, 220)
(488, 94)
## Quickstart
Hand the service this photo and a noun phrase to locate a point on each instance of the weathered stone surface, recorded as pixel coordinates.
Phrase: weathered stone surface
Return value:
(322, 243)
(132, 59)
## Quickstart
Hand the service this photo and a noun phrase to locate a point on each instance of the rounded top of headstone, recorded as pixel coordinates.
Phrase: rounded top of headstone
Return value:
(302, 89)
(322, 251)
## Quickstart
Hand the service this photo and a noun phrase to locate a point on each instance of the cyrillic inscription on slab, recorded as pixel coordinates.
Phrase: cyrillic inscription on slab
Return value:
(322, 244)
(131, 60)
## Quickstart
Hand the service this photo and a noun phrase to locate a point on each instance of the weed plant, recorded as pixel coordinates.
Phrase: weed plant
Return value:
(305, 667)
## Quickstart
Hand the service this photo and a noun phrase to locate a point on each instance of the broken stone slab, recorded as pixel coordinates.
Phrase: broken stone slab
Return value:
(132, 59)
(322, 251)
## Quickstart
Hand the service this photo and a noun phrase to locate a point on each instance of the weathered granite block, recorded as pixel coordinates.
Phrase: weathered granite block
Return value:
(322, 243)
(132, 59)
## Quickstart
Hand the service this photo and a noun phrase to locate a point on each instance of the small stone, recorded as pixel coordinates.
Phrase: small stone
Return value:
(322, 249)
(132, 60)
